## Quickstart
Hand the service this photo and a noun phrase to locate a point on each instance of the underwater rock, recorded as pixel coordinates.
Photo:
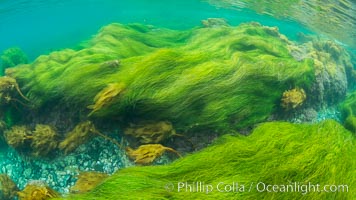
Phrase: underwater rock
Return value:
(214, 22)
(293, 98)
(88, 181)
(333, 70)
(37, 190)
(44, 140)
(309, 115)
(336, 63)
(151, 132)
(111, 64)
(217, 79)
(8, 189)
(200, 78)
(146, 154)
(81, 134)
(329, 113)
(60, 172)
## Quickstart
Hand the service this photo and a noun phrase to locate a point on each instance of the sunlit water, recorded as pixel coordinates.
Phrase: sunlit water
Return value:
(39, 27)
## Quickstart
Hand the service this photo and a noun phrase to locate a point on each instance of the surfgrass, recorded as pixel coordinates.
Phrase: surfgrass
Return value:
(277, 153)
(348, 111)
(218, 78)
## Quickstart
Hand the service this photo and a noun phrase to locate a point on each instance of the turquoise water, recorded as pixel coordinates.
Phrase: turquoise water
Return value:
(39, 27)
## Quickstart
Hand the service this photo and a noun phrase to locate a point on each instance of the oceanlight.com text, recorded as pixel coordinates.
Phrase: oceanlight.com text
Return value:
(293, 187)
(301, 188)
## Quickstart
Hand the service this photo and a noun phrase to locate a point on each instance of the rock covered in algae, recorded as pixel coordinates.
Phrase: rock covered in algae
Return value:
(37, 190)
(40, 142)
(44, 140)
(151, 132)
(146, 154)
(81, 134)
(214, 22)
(88, 181)
(8, 189)
(217, 78)
(333, 70)
(19, 137)
(111, 64)
(293, 98)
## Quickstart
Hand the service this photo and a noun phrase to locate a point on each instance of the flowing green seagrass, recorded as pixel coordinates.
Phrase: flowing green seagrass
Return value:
(219, 78)
(275, 153)
(348, 110)
(12, 57)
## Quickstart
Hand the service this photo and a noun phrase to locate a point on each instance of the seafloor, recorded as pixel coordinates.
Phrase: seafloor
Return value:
(211, 104)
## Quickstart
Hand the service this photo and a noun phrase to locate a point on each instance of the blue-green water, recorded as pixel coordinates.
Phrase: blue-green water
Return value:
(39, 27)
